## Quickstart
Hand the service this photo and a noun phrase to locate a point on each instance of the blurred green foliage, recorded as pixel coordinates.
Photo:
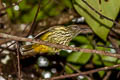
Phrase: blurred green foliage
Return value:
(28, 8)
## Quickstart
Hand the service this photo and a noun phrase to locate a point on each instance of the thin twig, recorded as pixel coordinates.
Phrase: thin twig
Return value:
(107, 75)
(84, 73)
(8, 40)
(72, 67)
(114, 43)
(59, 46)
(34, 21)
(25, 27)
(33, 27)
(7, 47)
(101, 14)
(18, 60)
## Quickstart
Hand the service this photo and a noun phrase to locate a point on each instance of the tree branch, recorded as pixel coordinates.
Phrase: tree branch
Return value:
(3, 35)
(84, 73)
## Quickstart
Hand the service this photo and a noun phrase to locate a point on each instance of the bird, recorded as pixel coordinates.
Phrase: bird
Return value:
(57, 34)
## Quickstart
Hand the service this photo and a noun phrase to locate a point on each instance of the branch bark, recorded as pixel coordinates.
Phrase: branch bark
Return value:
(84, 73)
(3, 35)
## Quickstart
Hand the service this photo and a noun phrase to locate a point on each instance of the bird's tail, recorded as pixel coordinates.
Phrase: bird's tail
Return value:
(27, 50)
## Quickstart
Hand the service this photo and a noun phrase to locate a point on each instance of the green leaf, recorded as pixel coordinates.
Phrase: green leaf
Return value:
(96, 60)
(101, 73)
(99, 25)
(69, 70)
(81, 39)
(67, 3)
(79, 57)
(107, 60)
(9, 11)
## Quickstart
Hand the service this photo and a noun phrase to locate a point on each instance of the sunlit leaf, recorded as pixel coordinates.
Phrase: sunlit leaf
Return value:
(81, 40)
(101, 73)
(70, 70)
(79, 57)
